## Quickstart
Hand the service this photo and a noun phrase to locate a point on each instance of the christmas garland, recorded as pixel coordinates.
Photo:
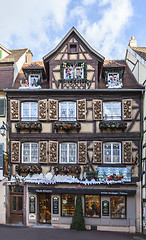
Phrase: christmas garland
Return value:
(113, 124)
(67, 169)
(34, 169)
(67, 126)
(28, 125)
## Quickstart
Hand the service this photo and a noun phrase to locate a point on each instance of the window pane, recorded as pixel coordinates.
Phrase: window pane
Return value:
(107, 153)
(116, 111)
(79, 73)
(68, 73)
(118, 207)
(63, 152)
(72, 152)
(71, 111)
(63, 111)
(25, 114)
(107, 111)
(116, 152)
(20, 203)
(14, 203)
(34, 152)
(92, 206)
(26, 153)
(33, 80)
(34, 111)
(68, 204)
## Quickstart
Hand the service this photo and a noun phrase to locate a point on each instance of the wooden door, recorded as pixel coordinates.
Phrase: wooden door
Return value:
(16, 208)
(44, 208)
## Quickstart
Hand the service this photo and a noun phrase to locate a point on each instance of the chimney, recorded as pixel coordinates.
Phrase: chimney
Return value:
(132, 42)
(29, 56)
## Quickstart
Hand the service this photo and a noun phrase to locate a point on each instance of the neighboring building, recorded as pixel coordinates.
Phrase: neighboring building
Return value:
(11, 62)
(78, 119)
(136, 60)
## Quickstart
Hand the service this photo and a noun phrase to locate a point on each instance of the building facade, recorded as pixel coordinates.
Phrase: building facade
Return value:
(76, 123)
(136, 60)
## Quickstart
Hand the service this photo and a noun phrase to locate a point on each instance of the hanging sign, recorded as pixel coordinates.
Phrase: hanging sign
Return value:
(105, 208)
(55, 205)
(5, 165)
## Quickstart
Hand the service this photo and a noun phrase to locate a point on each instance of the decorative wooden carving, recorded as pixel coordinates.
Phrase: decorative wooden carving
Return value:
(53, 152)
(53, 109)
(82, 152)
(81, 109)
(15, 152)
(43, 147)
(97, 110)
(15, 110)
(42, 109)
(127, 151)
(97, 152)
(127, 109)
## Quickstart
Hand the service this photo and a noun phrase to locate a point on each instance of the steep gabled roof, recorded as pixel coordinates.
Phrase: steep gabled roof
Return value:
(73, 30)
(4, 49)
(14, 55)
(34, 65)
(141, 51)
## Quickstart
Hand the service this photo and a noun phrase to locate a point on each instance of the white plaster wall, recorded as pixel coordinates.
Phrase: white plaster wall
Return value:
(2, 202)
(18, 65)
(4, 54)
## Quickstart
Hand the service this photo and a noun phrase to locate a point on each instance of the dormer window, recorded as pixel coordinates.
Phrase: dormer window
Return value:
(34, 80)
(74, 71)
(114, 81)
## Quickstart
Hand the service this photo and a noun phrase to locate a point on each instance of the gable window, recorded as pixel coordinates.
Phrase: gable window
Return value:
(67, 111)
(34, 80)
(68, 153)
(114, 81)
(2, 107)
(29, 111)
(74, 71)
(112, 111)
(73, 48)
(112, 152)
(30, 152)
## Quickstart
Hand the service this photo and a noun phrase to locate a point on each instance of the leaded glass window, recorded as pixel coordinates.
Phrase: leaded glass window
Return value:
(118, 207)
(68, 72)
(29, 111)
(112, 110)
(67, 111)
(68, 153)
(30, 152)
(76, 72)
(112, 152)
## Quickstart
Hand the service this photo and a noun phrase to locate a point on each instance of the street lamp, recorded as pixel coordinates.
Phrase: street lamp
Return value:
(2, 130)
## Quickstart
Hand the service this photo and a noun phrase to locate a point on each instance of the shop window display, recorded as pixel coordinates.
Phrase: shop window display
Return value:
(92, 206)
(118, 207)
(67, 204)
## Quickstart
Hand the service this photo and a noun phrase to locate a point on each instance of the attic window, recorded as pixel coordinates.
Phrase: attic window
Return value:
(73, 47)
(114, 79)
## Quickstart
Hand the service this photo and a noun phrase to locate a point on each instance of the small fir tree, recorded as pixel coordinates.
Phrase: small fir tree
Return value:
(78, 222)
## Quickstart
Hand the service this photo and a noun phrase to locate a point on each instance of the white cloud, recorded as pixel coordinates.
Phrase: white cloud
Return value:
(89, 2)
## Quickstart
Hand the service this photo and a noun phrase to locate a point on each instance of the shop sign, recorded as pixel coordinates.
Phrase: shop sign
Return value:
(32, 204)
(32, 216)
(5, 165)
(55, 205)
(105, 208)
(43, 191)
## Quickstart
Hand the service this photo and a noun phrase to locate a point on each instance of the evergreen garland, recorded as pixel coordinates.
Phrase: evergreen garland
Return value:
(78, 222)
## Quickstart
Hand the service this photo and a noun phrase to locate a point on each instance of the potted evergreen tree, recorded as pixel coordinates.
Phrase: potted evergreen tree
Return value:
(78, 222)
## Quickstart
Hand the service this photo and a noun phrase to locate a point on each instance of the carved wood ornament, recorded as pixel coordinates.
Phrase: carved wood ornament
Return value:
(53, 152)
(15, 110)
(42, 109)
(97, 110)
(53, 109)
(15, 152)
(43, 152)
(97, 152)
(82, 152)
(81, 109)
(127, 109)
(127, 152)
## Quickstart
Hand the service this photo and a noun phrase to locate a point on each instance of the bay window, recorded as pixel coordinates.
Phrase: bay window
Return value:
(112, 110)
(29, 111)
(67, 111)
(68, 153)
(30, 152)
(112, 152)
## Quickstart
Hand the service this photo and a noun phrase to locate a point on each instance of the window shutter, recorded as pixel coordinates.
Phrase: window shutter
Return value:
(82, 152)
(97, 110)
(97, 152)
(15, 152)
(53, 109)
(15, 110)
(81, 109)
(1, 154)
(42, 109)
(127, 151)
(53, 152)
(2, 106)
(43, 148)
(127, 109)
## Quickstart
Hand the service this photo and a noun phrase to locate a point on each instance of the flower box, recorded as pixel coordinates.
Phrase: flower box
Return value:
(26, 169)
(67, 126)
(113, 124)
(67, 170)
(28, 125)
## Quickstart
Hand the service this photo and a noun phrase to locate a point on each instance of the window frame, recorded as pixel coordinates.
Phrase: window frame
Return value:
(74, 204)
(67, 155)
(111, 156)
(69, 47)
(29, 78)
(73, 69)
(117, 81)
(30, 155)
(92, 195)
(29, 117)
(4, 106)
(125, 207)
(67, 110)
(112, 116)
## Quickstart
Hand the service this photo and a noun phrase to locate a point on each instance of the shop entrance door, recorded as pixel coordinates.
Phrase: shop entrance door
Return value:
(44, 208)
(16, 208)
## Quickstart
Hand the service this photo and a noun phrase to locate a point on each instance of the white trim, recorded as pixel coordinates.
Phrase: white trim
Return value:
(68, 162)
(111, 156)
(29, 108)
(113, 117)
(30, 156)
(67, 110)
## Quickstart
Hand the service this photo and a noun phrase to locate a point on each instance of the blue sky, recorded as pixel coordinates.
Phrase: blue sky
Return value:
(107, 25)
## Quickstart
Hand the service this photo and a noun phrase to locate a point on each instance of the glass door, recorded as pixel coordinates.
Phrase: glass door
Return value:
(16, 208)
(44, 208)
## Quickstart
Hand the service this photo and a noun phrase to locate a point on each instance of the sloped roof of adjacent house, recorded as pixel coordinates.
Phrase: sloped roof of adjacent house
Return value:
(141, 51)
(6, 77)
(34, 65)
(14, 55)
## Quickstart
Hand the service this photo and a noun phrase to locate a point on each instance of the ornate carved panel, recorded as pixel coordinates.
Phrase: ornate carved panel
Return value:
(97, 152)
(53, 109)
(127, 151)
(15, 110)
(82, 152)
(43, 147)
(81, 109)
(42, 109)
(53, 152)
(15, 152)
(97, 110)
(127, 109)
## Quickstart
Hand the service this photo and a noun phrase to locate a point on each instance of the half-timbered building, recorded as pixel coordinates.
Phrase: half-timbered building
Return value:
(76, 123)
